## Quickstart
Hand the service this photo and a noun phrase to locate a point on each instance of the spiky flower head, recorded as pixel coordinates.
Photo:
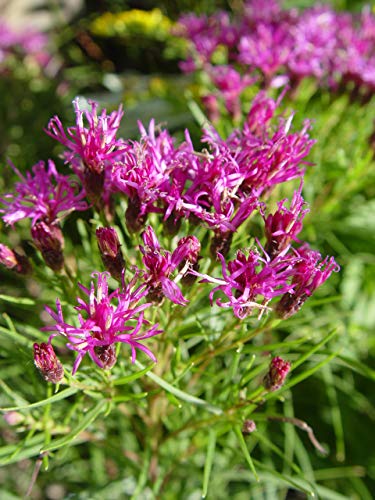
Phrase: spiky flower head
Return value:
(104, 320)
(43, 195)
(309, 273)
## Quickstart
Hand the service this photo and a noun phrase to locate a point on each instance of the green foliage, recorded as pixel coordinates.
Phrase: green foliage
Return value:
(174, 429)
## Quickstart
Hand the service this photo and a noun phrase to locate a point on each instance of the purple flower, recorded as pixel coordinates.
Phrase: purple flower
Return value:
(277, 373)
(45, 195)
(160, 264)
(283, 226)
(47, 363)
(110, 251)
(251, 282)
(308, 274)
(91, 148)
(105, 319)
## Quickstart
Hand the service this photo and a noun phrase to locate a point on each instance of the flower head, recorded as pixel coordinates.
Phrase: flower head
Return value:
(308, 274)
(105, 319)
(91, 148)
(283, 226)
(160, 264)
(45, 195)
(49, 240)
(248, 278)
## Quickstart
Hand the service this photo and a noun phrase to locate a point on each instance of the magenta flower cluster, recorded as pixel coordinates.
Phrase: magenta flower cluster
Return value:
(29, 43)
(219, 188)
(280, 46)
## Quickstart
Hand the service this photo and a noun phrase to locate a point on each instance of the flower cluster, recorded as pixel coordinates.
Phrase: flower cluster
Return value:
(32, 44)
(281, 46)
(218, 189)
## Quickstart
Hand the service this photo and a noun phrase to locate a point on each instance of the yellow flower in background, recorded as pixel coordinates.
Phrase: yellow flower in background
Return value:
(150, 24)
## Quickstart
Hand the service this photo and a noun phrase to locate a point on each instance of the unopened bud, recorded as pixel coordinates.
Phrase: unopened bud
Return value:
(249, 427)
(221, 242)
(12, 260)
(49, 241)
(110, 251)
(134, 219)
(278, 370)
(47, 363)
(106, 355)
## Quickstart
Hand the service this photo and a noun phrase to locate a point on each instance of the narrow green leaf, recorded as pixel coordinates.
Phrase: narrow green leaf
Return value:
(82, 425)
(209, 461)
(316, 348)
(134, 376)
(23, 301)
(180, 394)
(56, 397)
(243, 445)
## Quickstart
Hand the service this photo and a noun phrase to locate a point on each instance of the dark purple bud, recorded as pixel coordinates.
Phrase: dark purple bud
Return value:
(47, 363)
(14, 261)
(93, 182)
(134, 219)
(278, 370)
(49, 241)
(221, 243)
(191, 247)
(110, 251)
(106, 355)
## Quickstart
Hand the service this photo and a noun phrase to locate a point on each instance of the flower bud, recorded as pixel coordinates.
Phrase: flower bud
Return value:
(221, 243)
(49, 241)
(249, 427)
(278, 370)
(110, 251)
(191, 247)
(106, 355)
(47, 363)
(14, 261)
(134, 219)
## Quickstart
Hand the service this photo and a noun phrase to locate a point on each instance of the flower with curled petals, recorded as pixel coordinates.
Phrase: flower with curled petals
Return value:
(45, 195)
(105, 319)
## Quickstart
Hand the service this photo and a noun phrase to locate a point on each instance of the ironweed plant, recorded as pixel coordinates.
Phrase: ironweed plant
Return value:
(188, 257)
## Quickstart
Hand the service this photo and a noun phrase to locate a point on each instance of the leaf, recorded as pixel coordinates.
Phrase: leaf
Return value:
(243, 445)
(209, 461)
(180, 394)
(134, 376)
(89, 418)
(20, 301)
(53, 399)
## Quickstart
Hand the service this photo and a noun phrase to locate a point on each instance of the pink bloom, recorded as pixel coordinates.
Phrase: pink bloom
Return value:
(44, 195)
(107, 318)
(160, 264)
(309, 273)
(283, 226)
(251, 282)
(91, 148)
